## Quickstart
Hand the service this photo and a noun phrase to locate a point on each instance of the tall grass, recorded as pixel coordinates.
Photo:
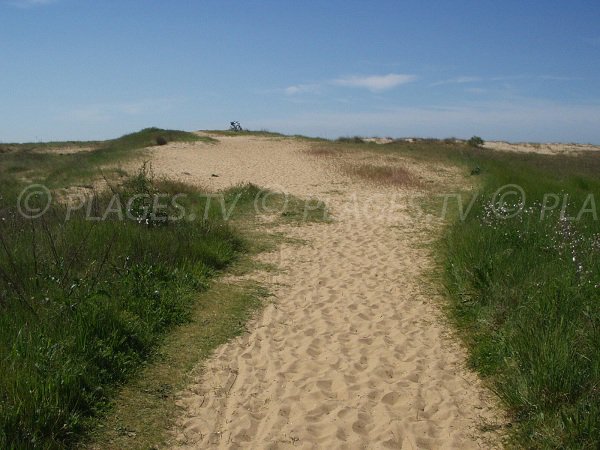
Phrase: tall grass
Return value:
(526, 293)
(83, 303)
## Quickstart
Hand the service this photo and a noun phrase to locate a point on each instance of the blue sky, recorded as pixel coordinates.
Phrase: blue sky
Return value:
(89, 69)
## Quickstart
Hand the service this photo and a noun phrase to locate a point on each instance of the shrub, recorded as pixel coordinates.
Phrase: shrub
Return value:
(475, 141)
(161, 140)
(351, 140)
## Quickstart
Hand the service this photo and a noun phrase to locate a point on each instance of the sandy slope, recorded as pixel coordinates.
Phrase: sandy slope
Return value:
(352, 353)
(546, 148)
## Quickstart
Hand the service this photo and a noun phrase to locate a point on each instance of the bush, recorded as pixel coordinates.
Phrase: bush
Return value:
(475, 141)
(160, 140)
(351, 140)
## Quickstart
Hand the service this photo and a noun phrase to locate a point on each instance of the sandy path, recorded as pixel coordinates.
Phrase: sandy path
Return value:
(352, 353)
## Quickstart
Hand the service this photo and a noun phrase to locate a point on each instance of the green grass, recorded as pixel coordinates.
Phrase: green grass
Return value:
(86, 303)
(525, 292)
(36, 162)
(145, 410)
(426, 150)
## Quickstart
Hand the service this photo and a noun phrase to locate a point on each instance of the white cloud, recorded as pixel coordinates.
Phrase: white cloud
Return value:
(302, 89)
(559, 78)
(506, 78)
(375, 83)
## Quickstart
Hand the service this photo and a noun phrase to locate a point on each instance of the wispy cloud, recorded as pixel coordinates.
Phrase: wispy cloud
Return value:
(535, 77)
(558, 78)
(302, 89)
(375, 83)
(503, 78)
(25, 4)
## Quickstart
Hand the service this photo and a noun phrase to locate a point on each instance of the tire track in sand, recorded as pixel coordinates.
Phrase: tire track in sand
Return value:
(353, 352)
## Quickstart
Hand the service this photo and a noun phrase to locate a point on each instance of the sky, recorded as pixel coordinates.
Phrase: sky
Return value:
(513, 69)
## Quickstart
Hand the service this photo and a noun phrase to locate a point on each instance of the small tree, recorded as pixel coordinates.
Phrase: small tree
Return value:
(475, 141)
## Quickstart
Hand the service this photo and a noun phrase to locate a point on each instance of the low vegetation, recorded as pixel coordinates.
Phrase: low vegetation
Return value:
(395, 175)
(475, 141)
(44, 162)
(259, 133)
(85, 301)
(524, 275)
(90, 289)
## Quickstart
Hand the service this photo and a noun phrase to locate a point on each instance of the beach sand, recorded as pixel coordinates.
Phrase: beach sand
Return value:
(353, 351)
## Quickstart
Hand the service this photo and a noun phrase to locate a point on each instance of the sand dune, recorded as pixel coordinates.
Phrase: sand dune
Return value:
(546, 149)
(353, 352)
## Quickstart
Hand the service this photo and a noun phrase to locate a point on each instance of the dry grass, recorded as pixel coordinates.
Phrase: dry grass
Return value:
(322, 151)
(384, 175)
(355, 165)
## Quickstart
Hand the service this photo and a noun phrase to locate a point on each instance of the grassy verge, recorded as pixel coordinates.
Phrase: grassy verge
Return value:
(526, 291)
(84, 302)
(88, 291)
(144, 410)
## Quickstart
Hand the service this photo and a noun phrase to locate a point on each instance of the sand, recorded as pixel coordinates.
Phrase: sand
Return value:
(353, 351)
(545, 149)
